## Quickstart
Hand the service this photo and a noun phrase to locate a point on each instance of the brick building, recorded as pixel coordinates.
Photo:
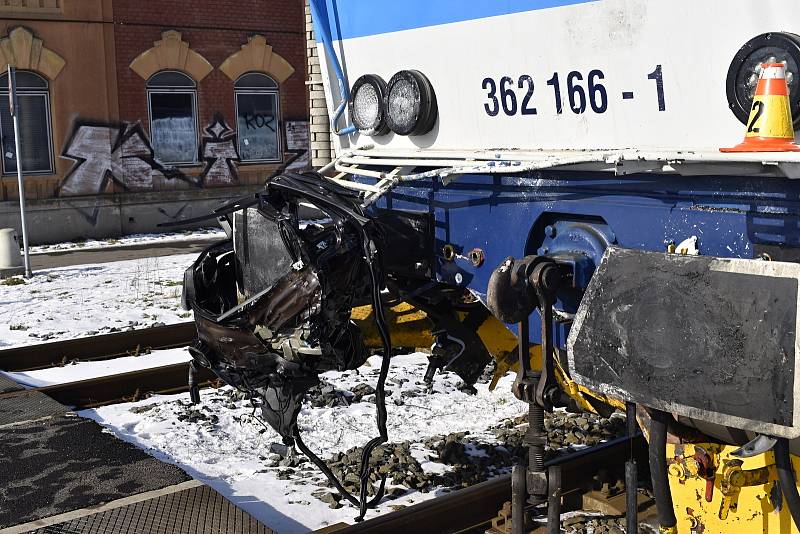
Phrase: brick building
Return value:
(134, 113)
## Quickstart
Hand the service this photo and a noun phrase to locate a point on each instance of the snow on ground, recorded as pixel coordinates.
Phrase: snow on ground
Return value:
(86, 370)
(132, 239)
(84, 300)
(222, 442)
(224, 445)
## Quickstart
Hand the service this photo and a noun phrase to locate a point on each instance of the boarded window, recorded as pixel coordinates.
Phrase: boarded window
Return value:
(173, 117)
(258, 118)
(33, 111)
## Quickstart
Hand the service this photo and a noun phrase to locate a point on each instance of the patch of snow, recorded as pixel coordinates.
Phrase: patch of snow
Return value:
(224, 444)
(87, 370)
(420, 454)
(132, 239)
(84, 300)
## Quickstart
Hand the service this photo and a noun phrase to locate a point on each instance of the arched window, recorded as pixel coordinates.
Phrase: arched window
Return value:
(33, 101)
(258, 118)
(172, 101)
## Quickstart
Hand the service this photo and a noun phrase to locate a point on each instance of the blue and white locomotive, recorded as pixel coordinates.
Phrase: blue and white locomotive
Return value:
(558, 163)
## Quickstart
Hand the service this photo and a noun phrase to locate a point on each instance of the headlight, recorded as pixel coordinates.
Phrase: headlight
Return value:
(366, 105)
(745, 70)
(410, 103)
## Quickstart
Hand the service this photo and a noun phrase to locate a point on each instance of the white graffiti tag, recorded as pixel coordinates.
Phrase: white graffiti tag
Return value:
(219, 152)
(104, 154)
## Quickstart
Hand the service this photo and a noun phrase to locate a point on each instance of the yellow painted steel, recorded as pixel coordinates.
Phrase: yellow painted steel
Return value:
(743, 491)
(743, 494)
(502, 345)
(409, 327)
(580, 393)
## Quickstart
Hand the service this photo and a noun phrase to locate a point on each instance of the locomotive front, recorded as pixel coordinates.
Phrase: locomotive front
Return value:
(556, 163)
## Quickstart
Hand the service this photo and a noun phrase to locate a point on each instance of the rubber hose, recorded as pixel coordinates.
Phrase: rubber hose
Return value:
(783, 464)
(657, 453)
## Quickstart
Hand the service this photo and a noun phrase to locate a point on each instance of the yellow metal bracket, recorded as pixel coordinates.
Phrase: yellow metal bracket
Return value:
(738, 495)
(734, 478)
(410, 327)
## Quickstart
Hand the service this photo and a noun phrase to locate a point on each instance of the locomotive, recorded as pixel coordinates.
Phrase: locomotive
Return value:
(568, 169)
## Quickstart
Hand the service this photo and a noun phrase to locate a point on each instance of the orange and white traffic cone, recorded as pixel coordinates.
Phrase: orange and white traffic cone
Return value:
(769, 128)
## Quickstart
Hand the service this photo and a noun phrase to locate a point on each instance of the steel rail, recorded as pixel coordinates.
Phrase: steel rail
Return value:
(471, 507)
(459, 511)
(101, 347)
(123, 387)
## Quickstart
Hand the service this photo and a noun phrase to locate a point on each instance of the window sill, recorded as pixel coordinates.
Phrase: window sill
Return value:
(259, 165)
(32, 174)
(169, 165)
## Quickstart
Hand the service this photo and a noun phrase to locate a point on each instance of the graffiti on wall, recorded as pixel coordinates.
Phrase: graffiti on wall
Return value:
(106, 153)
(123, 155)
(297, 143)
(296, 151)
(219, 153)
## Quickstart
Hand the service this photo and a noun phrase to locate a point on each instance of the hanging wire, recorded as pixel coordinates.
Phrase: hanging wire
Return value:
(371, 255)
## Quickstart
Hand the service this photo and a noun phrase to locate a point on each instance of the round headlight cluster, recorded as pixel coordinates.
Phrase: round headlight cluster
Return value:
(406, 105)
(366, 105)
(745, 70)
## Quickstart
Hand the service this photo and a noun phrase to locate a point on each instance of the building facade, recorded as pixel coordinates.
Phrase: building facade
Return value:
(138, 113)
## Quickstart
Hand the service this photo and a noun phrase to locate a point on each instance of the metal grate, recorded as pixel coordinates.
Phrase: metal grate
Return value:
(6, 384)
(63, 464)
(198, 510)
(28, 406)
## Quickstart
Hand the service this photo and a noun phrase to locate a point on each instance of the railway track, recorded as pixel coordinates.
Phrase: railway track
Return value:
(115, 388)
(126, 387)
(466, 511)
(472, 509)
(100, 347)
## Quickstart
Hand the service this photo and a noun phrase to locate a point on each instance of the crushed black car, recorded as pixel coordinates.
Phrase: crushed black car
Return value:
(273, 303)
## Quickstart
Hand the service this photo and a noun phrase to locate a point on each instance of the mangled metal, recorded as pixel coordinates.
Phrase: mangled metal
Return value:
(273, 341)
(274, 311)
(298, 323)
